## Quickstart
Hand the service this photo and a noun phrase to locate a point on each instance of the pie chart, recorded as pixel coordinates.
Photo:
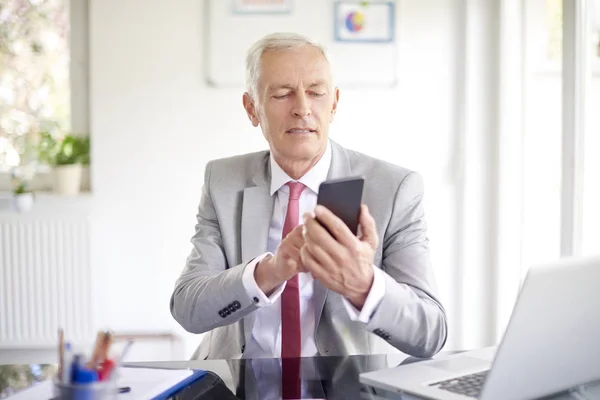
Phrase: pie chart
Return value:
(355, 21)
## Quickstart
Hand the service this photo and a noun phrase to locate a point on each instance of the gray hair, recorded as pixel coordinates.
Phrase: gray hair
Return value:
(279, 41)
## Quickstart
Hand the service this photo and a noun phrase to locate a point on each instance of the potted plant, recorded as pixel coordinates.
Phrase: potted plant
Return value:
(66, 156)
(22, 199)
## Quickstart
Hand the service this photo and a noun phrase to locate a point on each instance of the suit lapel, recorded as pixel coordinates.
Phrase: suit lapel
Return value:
(257, 210)
(256, 218)
(339, 168)
(340, 162)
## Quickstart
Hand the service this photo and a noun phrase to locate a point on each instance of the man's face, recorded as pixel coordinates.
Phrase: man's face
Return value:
(295, 103)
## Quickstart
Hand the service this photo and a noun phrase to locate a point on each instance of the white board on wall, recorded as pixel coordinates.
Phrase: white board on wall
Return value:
(368, 59)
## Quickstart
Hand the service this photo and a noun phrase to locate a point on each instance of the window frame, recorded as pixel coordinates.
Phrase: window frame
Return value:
(577, 69)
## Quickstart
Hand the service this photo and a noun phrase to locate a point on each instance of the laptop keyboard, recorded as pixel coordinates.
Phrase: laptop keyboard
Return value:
(468, 385)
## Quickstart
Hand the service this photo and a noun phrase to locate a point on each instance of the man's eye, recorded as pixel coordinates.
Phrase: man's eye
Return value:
(316, 94)
(281, 96)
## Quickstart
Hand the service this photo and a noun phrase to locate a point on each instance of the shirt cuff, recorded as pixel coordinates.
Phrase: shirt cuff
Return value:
(374, 297)
(252, 287)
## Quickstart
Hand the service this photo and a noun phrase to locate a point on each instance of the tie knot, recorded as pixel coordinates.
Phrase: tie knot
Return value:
(296, 189)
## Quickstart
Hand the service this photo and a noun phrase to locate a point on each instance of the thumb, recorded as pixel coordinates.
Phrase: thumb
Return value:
(368, 232)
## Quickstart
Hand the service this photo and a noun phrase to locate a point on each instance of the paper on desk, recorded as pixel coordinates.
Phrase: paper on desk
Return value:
(145, 383)
(42, 390)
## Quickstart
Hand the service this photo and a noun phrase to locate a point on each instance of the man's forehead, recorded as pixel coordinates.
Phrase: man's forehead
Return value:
(307, 60)
(289, 69)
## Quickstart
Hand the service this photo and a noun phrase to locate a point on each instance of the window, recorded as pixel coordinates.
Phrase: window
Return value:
(591, 164)
(542, 133)
(34, 76)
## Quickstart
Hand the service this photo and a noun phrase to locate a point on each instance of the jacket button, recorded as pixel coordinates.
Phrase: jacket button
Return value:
(243, 348)
(222, 314)
(231, 308)
(255, 299)
(237, 305)
(226, 311)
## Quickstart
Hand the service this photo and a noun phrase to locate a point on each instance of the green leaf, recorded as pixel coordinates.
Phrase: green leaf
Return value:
(70, 150)
(21, 189)
(37, 47)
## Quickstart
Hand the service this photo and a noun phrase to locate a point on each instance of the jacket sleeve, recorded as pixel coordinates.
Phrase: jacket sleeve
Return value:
(410, 316)
(209, 293)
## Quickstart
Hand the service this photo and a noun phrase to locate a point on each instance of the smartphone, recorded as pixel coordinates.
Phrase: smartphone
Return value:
(343, 197)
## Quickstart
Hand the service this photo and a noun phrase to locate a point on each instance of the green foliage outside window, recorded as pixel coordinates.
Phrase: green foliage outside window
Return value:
(34, 76)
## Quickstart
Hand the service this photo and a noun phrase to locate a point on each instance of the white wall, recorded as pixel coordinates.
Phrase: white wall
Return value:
(155, 124)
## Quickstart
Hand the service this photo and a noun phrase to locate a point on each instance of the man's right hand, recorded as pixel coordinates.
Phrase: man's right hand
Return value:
(273, 271)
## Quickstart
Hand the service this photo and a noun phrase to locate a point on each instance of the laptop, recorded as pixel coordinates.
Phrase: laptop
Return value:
(551, 344)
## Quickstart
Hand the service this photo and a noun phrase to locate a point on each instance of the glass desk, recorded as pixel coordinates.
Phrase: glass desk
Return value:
(322, 378)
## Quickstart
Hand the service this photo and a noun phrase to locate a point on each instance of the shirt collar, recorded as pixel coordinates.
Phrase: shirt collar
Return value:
(312, 179)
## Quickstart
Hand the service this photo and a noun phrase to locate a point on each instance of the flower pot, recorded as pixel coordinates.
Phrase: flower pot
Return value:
(22, 202)
(66, 179)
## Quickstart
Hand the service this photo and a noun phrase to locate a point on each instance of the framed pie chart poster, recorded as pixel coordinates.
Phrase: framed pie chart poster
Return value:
(364, 21)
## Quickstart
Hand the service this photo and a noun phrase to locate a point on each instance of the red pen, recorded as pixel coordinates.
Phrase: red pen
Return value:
(105, 369)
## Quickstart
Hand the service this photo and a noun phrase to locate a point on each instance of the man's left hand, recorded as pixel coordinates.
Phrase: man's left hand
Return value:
(341, 261)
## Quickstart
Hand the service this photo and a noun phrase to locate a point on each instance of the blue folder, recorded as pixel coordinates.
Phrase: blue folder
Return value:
(196, 376)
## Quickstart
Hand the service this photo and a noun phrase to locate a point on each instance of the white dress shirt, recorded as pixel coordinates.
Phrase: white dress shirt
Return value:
(266, 333)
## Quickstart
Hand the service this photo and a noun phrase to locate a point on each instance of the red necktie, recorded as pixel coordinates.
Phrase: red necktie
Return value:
(291, 338)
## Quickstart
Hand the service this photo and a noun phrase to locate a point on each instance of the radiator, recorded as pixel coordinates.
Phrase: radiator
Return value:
(45, 280)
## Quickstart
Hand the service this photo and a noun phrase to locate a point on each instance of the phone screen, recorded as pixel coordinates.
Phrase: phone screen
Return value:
(343, 197)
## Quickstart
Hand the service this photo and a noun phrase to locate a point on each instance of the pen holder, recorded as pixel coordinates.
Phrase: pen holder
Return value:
(90, 391)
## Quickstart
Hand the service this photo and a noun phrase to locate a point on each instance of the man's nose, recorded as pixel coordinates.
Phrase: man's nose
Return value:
(301, 107)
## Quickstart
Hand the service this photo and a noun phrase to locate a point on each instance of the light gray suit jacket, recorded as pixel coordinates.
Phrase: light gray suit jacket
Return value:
(232, 227)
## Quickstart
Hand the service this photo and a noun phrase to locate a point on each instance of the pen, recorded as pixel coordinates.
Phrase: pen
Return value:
(61, 351)
(108, 338)
(96, 353)
(66, 372)
(125, 351)
(123, 354)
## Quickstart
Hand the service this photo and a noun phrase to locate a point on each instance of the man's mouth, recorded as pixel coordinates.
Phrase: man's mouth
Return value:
(300, 131)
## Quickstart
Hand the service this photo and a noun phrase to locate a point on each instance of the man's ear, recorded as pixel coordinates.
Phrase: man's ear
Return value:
(250, 108)
(336, 98)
